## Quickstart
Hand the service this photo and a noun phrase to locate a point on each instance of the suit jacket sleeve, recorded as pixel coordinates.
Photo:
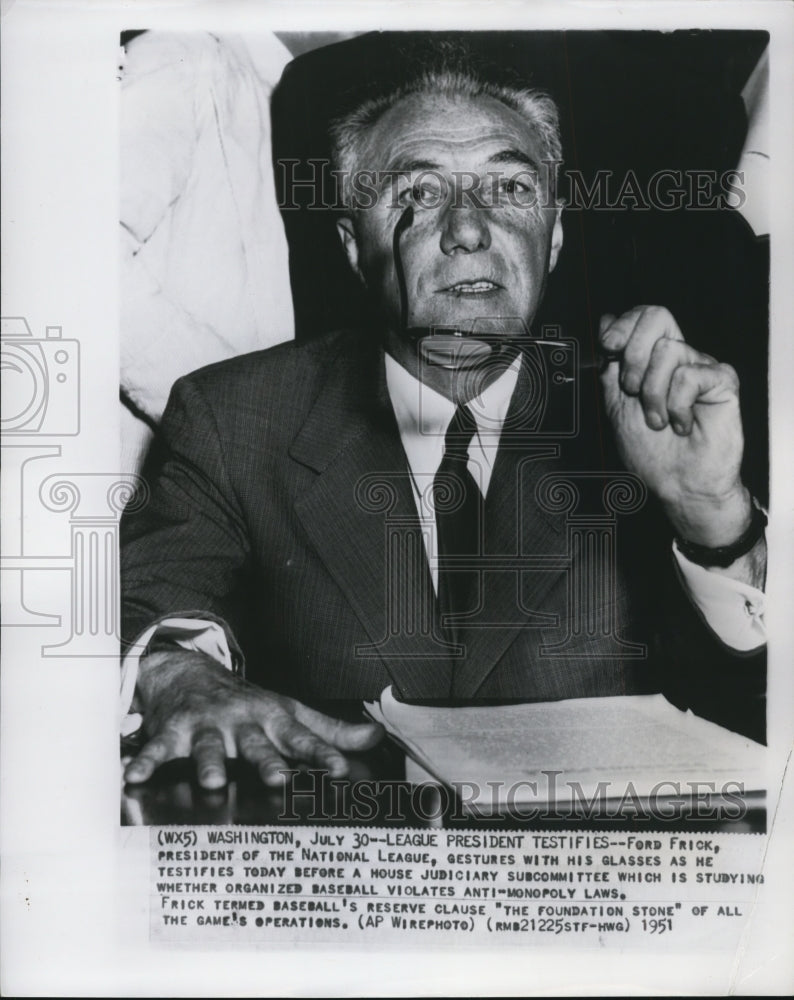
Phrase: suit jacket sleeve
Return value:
(185, 551)
(701, 673)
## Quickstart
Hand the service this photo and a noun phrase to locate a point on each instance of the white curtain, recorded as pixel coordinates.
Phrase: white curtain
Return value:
(204, 272)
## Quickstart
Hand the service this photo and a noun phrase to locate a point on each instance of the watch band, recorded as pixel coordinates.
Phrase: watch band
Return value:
(724, 555)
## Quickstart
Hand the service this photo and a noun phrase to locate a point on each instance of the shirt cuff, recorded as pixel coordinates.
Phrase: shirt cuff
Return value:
(195, 634)
(733, 610)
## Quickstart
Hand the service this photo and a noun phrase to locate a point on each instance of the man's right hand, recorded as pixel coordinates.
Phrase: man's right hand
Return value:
(193, 707)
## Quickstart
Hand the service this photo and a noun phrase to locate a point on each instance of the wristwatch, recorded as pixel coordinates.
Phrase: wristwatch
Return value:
(724, 555)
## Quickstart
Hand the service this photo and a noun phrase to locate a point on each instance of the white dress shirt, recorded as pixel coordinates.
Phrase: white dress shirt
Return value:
(733, 610)
(423, 416)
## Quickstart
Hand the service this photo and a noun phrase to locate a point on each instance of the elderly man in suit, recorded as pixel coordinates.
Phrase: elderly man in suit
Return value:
(261, 578)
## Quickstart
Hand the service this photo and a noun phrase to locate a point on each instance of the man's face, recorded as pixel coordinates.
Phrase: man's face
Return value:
(485, 232)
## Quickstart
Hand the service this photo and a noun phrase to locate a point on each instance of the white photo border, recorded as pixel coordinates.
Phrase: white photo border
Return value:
(69, 893)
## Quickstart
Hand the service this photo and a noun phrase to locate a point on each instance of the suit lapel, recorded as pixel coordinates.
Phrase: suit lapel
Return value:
(359, 507)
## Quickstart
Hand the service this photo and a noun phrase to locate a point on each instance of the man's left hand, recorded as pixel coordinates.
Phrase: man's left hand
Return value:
(675, 413)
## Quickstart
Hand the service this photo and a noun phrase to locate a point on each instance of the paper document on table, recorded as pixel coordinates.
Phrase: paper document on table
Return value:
(595, 745)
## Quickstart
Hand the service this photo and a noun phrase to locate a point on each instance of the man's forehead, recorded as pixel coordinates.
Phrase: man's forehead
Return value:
(436, 129)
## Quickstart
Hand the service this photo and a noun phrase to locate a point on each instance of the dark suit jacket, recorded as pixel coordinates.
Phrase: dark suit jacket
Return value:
(281, 506)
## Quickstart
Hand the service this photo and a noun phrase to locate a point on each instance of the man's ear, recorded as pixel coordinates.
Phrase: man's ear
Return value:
(556, 239)
(347, 234)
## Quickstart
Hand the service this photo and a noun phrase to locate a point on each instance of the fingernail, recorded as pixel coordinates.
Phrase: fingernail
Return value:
(678, 427)
(655, 420)
(338, 767)
(212, 779)
(606, 320)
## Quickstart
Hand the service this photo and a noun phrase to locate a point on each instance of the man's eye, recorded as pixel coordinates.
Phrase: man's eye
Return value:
(424, 195)
(515, 187)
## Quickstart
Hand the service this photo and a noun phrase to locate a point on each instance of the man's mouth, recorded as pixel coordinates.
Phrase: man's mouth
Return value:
(480, 286)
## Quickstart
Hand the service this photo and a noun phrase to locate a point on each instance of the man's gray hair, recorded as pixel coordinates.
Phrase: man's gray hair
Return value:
(348, 132)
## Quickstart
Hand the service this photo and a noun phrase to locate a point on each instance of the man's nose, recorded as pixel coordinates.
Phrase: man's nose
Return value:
(465, 229)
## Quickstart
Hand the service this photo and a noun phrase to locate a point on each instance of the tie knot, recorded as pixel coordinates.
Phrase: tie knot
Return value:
(459, 433)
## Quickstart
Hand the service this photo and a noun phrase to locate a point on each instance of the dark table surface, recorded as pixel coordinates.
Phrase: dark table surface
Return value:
(377, 793)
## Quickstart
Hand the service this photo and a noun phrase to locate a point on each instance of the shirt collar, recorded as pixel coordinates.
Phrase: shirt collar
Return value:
(419, 409)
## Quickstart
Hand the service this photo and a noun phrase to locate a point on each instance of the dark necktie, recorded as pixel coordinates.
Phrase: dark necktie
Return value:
(458, 508)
